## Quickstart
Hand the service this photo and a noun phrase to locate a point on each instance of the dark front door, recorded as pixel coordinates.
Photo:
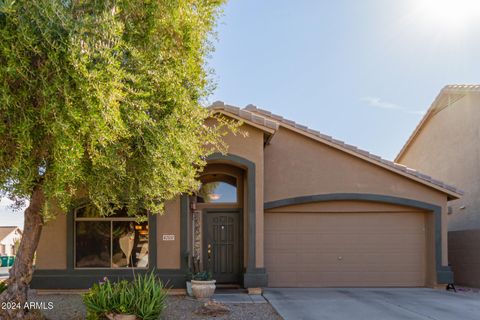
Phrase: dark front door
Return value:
(222, 245)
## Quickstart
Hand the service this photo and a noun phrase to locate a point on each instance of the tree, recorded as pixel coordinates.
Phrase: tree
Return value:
(102, 96)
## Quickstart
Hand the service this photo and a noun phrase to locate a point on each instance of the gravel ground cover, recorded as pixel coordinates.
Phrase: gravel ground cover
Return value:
(70, 307)
(182, 308)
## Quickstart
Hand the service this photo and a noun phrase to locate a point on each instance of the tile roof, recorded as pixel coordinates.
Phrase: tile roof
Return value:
(265, 116)
(245, 114)
(462, 87)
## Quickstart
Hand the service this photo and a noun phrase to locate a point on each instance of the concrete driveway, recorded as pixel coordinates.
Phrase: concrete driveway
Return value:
(372, 303)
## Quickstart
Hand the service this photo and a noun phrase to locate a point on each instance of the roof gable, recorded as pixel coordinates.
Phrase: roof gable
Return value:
(6, 230)
(445, 98)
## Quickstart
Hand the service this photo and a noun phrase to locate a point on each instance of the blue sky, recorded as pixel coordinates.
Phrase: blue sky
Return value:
(361, 71)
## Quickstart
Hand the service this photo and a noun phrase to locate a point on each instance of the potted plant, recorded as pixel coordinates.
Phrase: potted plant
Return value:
(203, 286)
(193, 272)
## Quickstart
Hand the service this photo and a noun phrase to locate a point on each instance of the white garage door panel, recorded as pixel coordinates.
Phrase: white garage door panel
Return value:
(345, 249)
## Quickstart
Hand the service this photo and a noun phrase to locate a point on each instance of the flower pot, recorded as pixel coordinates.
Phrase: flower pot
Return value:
(189, 288)
(203, 289)
(115, 316)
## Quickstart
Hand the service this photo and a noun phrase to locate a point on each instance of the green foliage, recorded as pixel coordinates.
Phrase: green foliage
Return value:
(104, 98)
(144, 297)
(202, 276)
(149, 297)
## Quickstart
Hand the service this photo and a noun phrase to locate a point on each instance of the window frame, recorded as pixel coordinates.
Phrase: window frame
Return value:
(111, 220)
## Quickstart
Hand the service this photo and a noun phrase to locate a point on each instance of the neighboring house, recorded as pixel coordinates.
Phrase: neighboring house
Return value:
(9, 236)
(446, 144)
(286, 207)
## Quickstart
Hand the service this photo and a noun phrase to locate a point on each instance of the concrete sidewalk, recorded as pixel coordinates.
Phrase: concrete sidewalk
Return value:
(371, 303)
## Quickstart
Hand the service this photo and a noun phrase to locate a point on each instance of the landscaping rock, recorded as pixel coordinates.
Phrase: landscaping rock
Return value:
(70, 307)
(212, 308)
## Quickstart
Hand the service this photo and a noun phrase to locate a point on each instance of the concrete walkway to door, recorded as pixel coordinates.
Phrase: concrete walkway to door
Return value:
(372, 303)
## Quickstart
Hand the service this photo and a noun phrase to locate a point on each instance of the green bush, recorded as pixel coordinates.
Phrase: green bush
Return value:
(144, 297)
(150, 297)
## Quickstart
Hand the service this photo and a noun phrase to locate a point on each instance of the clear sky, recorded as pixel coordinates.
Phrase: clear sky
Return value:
(361, 71)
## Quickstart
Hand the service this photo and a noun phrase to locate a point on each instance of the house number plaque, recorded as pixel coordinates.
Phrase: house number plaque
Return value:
(168, 237)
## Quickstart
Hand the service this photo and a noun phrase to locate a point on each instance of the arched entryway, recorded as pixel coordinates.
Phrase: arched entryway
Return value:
(217, 224)
(191, 241)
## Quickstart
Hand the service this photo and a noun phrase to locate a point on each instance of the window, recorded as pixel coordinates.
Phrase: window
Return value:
(218, 189)
(117, 241)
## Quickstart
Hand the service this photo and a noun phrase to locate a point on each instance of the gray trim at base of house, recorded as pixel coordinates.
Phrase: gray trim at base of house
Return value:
(255, 278)
(444, 273)
(84, 279)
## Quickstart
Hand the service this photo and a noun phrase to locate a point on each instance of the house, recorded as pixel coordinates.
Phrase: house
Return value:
(286, 207)
(446, 144)
(9, 236)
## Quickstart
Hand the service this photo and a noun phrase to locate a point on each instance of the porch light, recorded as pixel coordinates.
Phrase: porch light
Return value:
(214, 196)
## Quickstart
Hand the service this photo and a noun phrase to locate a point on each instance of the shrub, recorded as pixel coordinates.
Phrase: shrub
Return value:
(144, 297)
(150, 296)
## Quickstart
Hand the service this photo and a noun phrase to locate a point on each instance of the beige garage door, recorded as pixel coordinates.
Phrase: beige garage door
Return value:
(345, 249)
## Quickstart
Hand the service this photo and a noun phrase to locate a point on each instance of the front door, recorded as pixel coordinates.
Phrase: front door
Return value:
(222, 245)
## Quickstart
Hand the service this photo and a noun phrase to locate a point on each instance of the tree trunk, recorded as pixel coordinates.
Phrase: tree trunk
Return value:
(22, 270)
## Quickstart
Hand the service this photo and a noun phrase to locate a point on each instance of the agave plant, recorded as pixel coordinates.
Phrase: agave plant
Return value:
(144, 297)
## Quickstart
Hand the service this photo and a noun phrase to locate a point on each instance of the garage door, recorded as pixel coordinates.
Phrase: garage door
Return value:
(345, 249)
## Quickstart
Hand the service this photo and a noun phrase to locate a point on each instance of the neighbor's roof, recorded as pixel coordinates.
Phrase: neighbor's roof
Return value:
(265, 118)
(6, 230)
(447, 96)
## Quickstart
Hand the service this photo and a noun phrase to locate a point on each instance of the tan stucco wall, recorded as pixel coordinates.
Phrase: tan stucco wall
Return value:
(168, 223)
(52, 248)
(464, 248)
(448, 148)
(298, 166)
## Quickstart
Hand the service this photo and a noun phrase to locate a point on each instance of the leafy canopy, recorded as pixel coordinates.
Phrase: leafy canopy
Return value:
(104, 96)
